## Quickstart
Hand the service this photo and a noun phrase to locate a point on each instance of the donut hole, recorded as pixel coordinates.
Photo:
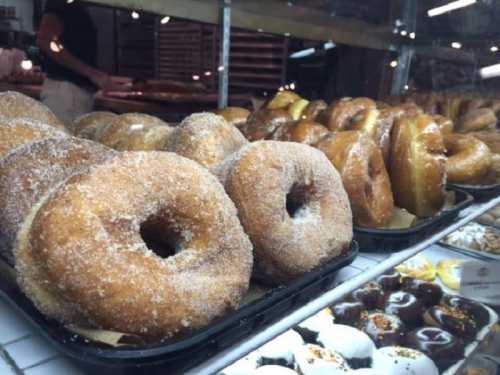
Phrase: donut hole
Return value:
(296, 200)
(161, 237)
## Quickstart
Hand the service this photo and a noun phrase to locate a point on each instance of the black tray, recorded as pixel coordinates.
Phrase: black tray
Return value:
(392, 240)
(174, 356)
(479, 192)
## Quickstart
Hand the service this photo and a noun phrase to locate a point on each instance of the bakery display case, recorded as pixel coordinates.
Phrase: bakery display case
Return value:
(337, 214)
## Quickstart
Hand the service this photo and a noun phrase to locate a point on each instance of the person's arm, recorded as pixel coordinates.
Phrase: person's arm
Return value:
(51, 27)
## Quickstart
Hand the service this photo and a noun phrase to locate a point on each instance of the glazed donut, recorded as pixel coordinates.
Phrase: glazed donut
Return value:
(287, 195)
(381, 133)
(30, 171)
(313, 110)
(206, 138)
(477, 119)
(91, 124)
(264, 122)
(235, 116)
(14, 104)
(18, 131)
(418, 165)
(120, 127)
(147, 139)
(361, 166)
(307, 132)
(145, 243)
(451, 108)
(282, 100)
(340, 115)
(469, 159)
(491, 139)
(444, 123)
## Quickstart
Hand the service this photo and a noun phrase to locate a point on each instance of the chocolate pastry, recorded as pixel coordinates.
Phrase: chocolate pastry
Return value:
(429, 293)
(383, 329)
(348, 312)
(406, 306)
(371, 295)
(475, 310)
(452, 319)
(390, 281)
(440, 345)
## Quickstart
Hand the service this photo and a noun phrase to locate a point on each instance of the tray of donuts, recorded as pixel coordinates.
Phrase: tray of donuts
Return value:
(395, 325)
(392, 161)
(473, 148)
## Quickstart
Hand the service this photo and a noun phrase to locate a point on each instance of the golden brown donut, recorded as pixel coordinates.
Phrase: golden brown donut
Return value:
(123, 125)
(30, 171)
(451, 107)
(147, 243)
(469, 159)
(361, 166)
(287, 195)
(235, 116)
(381, 131)
(445, 124)
(147, 139)
(477, 119)
(308, 132)
(206, 138)
(339, 115)
(491, 138)
(90, 124)
(418, 165)
(313, 110)
(16, 132)
(14, 104)
(264, 122)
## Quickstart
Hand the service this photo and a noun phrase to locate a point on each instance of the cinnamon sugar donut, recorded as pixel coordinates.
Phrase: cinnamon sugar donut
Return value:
(91, 124)
(361, 166)
(120, 127)
(205, 138)
(469, 159)
(145, 243)
(235, 116)
(340, 115)
(146, 139)
(292, 204)
(18, 131)
(14, 104)
(30, 171)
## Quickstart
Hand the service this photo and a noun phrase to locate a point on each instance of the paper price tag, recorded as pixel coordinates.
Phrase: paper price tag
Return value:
(481, 281)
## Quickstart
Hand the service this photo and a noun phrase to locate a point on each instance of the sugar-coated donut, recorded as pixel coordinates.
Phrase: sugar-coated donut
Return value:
(30, 171)
(288, 195)
(120, 127)
(263, 123)
(91, 124)
(206, 138)
(469, 159)
(340, 115)
(147, 243)
(418, 165)
(476, 120)
(235, 116)
(304, 131)
(14, 104)
(361, 166)
(19, 131)
(147, 139)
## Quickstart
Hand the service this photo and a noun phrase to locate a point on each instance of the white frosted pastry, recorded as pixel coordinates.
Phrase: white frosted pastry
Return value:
(396, 360)
(273, 370)
(280, 350)
(243, 366)
(365, 371)
(348, 341)
(310, 327)
(314, 360)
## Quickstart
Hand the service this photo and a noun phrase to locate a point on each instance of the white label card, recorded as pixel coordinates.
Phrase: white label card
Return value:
(481, 281)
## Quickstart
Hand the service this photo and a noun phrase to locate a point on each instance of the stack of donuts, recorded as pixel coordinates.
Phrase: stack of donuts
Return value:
(152, 243)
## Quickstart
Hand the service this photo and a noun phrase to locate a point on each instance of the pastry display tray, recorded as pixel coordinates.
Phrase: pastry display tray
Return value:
(479, 192)
(393, 240)
(177, 355)
(482, 254)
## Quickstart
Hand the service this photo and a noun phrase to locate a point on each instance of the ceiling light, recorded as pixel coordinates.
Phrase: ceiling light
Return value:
(449, 7)
(329, 45)
(412, 35)
(490, 71)
(302, 53)
(221, 68)
(27, 64)
(55, 47)
(260, 30)
(196, 77)
(287, 34)
(407, 87)
(165, 20)
(208, 73)
(292, 86)
(403, 32)
(456, 45)
(135, 15)
(393, 63)
(494, 49)
(70, 1)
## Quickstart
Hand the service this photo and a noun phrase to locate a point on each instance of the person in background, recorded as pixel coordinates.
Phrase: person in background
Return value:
(67, 38)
